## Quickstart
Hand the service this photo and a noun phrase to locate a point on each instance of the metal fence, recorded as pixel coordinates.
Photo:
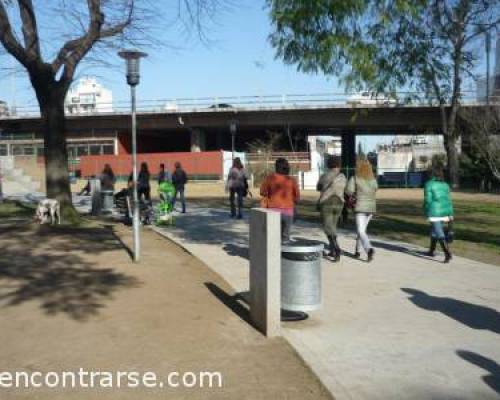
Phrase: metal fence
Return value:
(256, 102)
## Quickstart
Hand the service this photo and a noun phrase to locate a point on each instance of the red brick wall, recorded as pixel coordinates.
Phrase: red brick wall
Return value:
(203, 163)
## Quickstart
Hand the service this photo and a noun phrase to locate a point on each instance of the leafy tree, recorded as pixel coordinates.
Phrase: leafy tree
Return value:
(429, 46)
(483, 133)
(50, 41)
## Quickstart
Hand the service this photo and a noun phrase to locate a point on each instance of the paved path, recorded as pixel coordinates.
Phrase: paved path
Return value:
(72, 298)
(402, 327)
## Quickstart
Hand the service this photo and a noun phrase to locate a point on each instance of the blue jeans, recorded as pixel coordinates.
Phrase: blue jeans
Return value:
(437, 231)
(179, 190)
(238, 193)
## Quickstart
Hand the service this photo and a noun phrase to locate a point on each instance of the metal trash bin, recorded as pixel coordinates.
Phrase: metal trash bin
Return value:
(107, 200)
(301, 275)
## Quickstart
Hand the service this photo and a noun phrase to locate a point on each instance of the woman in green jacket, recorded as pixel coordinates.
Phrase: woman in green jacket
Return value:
(438, 209)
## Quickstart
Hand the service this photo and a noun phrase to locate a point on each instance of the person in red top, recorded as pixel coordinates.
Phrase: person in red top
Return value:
(280, 192)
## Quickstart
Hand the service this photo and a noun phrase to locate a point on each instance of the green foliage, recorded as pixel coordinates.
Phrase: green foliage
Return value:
(384, 44)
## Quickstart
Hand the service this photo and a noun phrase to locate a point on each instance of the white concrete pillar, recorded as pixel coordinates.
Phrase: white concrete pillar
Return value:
(265, 271)
(198, 140)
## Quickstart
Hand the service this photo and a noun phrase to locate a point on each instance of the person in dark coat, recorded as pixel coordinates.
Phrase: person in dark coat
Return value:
(179, 180)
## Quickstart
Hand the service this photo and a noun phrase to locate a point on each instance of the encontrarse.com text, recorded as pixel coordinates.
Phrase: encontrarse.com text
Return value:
(106, 379)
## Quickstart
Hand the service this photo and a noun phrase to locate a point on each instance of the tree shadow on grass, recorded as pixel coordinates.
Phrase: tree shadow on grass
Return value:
(45, 265)
(473, 315)
(493, 379)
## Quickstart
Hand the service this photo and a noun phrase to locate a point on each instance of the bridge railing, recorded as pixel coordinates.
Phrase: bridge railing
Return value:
(242, 103)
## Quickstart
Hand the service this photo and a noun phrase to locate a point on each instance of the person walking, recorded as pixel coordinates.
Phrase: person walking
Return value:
(179, 180)
(143, 185)
(331, 185)
(438, 209)
(280, 192)
(237, 185)
(362, 189)
(164, 175)
(108, 179)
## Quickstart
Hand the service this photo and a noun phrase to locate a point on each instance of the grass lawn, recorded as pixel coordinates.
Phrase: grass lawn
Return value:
(400, 218)
(15, 209)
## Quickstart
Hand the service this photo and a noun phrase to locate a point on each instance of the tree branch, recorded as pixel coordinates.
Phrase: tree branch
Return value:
(30, 30)
(8, 39)
(74, 50)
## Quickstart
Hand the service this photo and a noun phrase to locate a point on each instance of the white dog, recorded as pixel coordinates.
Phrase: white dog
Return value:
(48, 208)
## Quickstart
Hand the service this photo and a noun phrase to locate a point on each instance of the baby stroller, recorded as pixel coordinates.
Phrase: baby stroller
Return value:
(124, 203)
(164, 211)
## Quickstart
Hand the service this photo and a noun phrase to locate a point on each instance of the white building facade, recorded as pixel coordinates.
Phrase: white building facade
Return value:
(88, 96)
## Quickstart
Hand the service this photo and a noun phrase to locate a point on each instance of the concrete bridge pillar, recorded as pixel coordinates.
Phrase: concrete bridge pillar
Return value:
(349, 152)
(198, 140)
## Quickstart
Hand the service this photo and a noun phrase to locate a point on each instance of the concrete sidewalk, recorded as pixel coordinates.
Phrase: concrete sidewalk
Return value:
(402, 327)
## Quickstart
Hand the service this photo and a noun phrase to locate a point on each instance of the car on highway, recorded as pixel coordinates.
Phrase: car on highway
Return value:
(371, 98)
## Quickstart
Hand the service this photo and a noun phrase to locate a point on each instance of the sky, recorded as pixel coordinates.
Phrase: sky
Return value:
(238, 60)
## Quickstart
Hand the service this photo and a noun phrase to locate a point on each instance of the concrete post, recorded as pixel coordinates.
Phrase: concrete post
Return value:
(95, 189)
(265, 271)
(349, 152)
(198, 140)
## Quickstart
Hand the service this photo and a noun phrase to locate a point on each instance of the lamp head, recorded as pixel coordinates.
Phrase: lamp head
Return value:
(132, 58)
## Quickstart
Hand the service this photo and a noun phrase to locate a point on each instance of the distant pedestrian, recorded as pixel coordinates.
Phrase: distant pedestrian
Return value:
(143, 185)
(280, 192)
(164, 175)
(107, 179)
(179, 180)
(87, 188)
(361, 190)
(438, 209)
(332, 185)
(237, 185)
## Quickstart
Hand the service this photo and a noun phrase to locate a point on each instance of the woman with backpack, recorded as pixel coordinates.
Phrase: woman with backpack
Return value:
(237, 185)
(331, 203)
(361, 195)
(438, 209)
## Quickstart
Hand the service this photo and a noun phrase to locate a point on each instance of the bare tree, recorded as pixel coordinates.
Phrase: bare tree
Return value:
(483, 128)
(30, 31)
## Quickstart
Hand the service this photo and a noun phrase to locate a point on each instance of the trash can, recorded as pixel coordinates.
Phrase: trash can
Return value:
(107, 200)
(301, 275)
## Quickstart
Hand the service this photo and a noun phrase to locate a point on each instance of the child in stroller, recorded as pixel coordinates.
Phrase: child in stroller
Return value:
(166, 191)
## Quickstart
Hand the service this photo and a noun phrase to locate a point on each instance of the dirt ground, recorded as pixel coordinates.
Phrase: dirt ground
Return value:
(72, 298)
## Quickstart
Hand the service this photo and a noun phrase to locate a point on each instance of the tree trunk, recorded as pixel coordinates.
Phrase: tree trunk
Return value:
(453, 162)
(51, 97)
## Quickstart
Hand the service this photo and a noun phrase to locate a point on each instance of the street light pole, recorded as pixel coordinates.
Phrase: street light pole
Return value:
(132, 58)
(233, 127)
(136, 213)
(488, 51)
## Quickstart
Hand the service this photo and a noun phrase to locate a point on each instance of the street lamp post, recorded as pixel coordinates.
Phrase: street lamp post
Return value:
(233, 128)
(488, 51)
(132, 58)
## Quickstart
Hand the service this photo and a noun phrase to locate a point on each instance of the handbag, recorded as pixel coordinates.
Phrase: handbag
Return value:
(350, 200)
(449, 233)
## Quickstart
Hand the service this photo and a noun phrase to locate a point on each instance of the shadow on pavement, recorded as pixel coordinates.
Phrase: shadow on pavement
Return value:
(231, 301)
(472, 315)
(493, 379)
(402, 249)
(48, 265)
(237, 250)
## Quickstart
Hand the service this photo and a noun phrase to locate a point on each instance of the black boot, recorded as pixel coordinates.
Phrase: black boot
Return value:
(336, 246)
(432, 248)
(332, 254)
(446, 250)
